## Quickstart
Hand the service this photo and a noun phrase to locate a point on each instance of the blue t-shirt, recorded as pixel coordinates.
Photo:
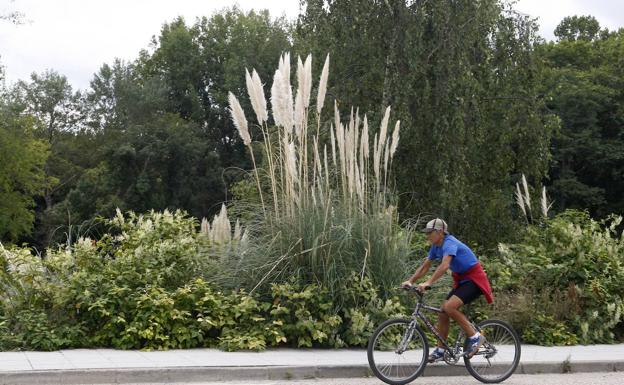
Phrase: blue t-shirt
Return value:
(463, 257)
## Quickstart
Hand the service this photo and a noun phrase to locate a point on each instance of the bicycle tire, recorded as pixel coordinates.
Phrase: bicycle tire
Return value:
(499, 356)
(383, 358)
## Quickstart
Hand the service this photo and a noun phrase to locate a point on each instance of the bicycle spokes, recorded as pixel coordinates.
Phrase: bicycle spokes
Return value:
(397, 351)
(497, 359)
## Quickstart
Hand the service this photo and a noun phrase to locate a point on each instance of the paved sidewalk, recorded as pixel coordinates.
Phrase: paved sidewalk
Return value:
(117, 366)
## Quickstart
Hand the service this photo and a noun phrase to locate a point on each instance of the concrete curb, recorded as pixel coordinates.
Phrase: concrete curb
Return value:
(198, 374)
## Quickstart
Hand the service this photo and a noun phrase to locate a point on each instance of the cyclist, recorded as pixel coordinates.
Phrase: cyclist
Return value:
(469, 282)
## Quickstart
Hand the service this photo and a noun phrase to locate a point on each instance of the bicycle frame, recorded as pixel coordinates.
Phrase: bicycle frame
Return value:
(418, 314)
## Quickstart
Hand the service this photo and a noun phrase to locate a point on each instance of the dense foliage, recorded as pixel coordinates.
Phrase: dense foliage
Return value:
(584, 83)
(147, 285)
(562, 282)
(481, 100)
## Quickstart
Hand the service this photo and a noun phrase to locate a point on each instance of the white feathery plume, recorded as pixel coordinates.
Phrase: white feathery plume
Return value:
(545, 204)
(333, 142)
(261, 100)
(244, 238)
(300, 74)
(326, 166)
(520, 200)
(253, 95)
(307, 81)
(287, 90)
(317, 158)
(221, 228)
(277, 80)
(340, 141)
(527, 197)
(238, 117)
(364, 143)
(376, 158)
(386, 157)
(322, 89)
(205, 227)
(348, 151)
(299, 114)
(281, 95)
(358, 185)
(292, 162)
(384, 129)
(395, 138)
(336, 117)
(380, 143)
(237, 231)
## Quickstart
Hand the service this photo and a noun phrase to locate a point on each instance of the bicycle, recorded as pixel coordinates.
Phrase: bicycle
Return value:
(398, 349)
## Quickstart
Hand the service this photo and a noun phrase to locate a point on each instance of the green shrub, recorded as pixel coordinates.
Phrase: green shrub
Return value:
(363, 310)
(545, 330)
(571, 260)
(306, 315)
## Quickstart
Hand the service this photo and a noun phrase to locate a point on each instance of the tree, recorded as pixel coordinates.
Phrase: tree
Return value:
(22, 158)
(574, 28)
(49, 99)
(463, 78)
(583, 85)
(199, 65)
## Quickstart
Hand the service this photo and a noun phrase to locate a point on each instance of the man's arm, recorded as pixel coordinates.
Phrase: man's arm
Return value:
(439, 272)
(422, 270)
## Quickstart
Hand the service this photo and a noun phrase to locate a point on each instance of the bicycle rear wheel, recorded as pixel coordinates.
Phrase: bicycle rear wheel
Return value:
(499, 356)
(395, 357)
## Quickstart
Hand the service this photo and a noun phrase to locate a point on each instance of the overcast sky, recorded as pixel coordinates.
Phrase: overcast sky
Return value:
(75, 37)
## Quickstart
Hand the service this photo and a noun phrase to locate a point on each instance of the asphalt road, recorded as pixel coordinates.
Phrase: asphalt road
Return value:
(600, 378)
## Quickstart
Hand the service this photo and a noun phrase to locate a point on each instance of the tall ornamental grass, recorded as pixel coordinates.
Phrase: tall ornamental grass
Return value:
(327, 203)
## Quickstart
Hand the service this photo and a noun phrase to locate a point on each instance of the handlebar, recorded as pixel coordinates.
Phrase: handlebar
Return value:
(414, 289)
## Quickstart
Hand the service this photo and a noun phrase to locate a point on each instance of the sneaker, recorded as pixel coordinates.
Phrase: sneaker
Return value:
(473, 346)
(436, 355)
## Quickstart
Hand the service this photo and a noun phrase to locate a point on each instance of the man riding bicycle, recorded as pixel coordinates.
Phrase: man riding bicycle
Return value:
(469, 282)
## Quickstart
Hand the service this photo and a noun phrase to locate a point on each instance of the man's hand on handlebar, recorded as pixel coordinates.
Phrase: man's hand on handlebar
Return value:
(420, 287)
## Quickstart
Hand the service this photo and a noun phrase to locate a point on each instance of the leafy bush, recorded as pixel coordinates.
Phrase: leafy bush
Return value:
(306, 315)
(122, 292)
(571, 260)
(363, 309)
(545, 330)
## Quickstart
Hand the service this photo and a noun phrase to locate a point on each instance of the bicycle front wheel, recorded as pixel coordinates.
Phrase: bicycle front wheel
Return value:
(397, 351)
(499, 356)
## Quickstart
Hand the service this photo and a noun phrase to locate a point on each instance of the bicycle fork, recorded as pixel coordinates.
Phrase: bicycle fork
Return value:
(407, 337)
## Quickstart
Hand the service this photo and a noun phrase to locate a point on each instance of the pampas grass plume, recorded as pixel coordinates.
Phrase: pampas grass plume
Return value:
(238, 117)
(322, 89)
(395, 139)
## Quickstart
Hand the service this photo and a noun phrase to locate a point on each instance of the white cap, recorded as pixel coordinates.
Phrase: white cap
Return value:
(435, 224)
